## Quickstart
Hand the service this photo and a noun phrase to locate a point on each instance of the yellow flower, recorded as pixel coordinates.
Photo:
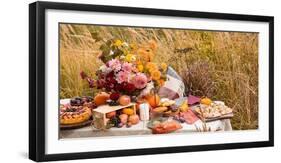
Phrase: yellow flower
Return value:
(133, 59)
(133, 46)
(118, 43)
(130, 58)
(164, 66)
(142, 54)
(140, 67)
(148, 65)
(156, 74)
(151, 66)
(145, 54)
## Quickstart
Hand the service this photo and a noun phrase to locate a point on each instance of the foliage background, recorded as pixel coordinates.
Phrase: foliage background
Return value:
(220, 65)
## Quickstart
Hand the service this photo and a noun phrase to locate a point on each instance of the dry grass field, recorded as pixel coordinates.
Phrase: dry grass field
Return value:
(220, 65)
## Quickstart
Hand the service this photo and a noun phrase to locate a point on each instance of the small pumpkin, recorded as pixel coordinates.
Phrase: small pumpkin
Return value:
(100, 98)
(153, 100)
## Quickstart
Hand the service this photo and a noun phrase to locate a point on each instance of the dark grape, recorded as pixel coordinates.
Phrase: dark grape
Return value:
(115, 121)
(84, 99)
(73, 102)
(90, 98)
(134, 98)
(182, 120)
(120, 125)
(78, 102)
(70, 109)
(112, 103)
(128, 125)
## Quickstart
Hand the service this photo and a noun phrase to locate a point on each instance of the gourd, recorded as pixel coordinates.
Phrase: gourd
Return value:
(153, 100)
(100, 98)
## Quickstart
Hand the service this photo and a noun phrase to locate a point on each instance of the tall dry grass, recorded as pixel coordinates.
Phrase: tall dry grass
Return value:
(222, 65)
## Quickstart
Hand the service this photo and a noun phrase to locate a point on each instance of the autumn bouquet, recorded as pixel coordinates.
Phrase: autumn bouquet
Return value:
(128, 69)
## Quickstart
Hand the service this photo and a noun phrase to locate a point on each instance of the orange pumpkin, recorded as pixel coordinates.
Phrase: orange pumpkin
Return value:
(100, 98)
(153, 100)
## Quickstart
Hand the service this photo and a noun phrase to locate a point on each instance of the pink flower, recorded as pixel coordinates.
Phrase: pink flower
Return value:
(122, 76)
(140, 80)
(114, 64)
(127, 67)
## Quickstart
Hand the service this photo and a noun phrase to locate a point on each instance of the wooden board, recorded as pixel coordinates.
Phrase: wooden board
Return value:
(226, 116)
(107, 109)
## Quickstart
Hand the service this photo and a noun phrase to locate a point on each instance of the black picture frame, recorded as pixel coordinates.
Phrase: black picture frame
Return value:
(37, 79)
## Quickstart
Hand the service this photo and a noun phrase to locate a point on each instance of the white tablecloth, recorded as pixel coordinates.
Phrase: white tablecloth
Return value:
(140, 129)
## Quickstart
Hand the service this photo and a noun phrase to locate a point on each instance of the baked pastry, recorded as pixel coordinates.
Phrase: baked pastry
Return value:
(167, 102)
(215, 109)
(74, 114)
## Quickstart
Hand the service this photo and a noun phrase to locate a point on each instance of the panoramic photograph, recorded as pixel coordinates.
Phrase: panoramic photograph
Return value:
(128, 81)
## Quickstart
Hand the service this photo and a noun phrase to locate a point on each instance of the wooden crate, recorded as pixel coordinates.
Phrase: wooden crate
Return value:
(99, 114)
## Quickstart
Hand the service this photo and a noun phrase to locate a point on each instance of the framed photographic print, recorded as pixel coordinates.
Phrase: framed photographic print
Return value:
(118, 81)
